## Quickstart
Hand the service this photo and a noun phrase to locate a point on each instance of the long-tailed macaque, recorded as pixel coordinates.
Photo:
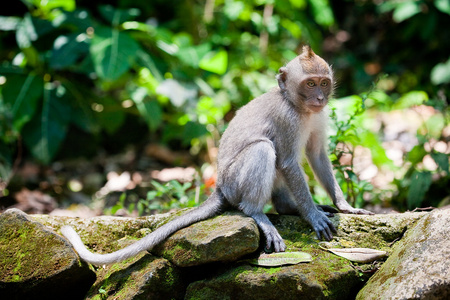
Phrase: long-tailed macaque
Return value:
(258, 160)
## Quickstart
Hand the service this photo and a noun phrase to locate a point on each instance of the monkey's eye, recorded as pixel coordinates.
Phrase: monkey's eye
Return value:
(324, 83)
(310, 83)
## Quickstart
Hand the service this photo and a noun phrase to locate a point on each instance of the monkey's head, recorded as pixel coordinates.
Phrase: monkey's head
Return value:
(307, 81)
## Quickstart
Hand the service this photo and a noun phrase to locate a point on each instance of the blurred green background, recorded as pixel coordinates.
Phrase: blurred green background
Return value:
(83, 81)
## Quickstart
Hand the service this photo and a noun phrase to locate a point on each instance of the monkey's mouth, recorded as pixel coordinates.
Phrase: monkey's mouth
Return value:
(316, 108)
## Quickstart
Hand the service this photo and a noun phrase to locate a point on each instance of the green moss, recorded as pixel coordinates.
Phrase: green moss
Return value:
(144, 275)
(28, 251)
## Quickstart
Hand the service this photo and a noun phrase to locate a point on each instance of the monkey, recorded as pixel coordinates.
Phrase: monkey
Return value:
(259, 160)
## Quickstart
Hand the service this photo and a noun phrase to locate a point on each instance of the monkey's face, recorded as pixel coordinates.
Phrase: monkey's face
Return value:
(314, 92)
(307, 81)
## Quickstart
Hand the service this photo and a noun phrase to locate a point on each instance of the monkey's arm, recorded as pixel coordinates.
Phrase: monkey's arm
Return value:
(323, 170)
(296, 182)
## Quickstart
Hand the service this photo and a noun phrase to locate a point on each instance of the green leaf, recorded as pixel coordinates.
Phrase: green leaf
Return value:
(211, 110)
(149, 109)
(111, 117)
(115, 208)
(215, 62)
(191, 56)
(45, 132)
(232, 9)
(30, 29)
(292, 27)
(322, 12)
(416, 154)
(441, 160)
(112, 52)
(420, 183)
(434, 125)
(79, 19)
(352, 176)
(21, 93)
(147, 61)
(371, 141)
(441, 73)
(411, 99)
(67, 50)
(117, 16)
(443, 6)
(299, 4)
(49, 5)
(193, 130)
(281, 259)
(406, 10)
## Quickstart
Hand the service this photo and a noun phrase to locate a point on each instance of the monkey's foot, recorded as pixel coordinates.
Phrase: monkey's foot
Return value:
(274, 242)
(273, 238)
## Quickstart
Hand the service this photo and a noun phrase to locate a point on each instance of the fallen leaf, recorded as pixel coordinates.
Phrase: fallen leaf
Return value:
(34, 202)
(280, 259)
(360, 255)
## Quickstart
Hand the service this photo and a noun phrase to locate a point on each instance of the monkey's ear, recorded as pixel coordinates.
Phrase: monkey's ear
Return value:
(282, 77)
(283, 73)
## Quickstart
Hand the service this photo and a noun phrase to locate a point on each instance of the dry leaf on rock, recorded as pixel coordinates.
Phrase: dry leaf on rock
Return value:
(360, 255)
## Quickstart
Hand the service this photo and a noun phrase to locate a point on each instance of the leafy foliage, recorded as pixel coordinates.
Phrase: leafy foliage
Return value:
(176, 72)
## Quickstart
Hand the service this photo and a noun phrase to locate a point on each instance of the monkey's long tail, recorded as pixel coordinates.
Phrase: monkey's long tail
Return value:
(213, 205)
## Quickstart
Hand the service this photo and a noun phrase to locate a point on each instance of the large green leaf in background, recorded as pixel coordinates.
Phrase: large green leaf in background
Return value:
(117, 16)
(45, 132)
(216, 62)
(21, 93)
(68, 49)
(420, 183)
(411, 99)
(149, 109)
(111, 115)
(112, 52)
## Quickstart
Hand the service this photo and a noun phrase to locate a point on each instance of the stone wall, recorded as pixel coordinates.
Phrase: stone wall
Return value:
(211, 259)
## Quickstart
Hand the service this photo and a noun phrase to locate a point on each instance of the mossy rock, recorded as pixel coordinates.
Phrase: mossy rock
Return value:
(419, 266)
(37, 263)
(142, 277)
(223, 238)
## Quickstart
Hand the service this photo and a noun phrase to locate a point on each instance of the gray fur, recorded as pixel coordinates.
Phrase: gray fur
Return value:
(258, 160)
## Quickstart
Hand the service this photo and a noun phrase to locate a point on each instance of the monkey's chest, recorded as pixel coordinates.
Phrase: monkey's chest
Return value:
(305, 130)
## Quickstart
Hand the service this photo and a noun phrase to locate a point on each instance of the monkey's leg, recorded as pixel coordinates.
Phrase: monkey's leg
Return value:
(282, 200)
(248, 186)
(295, 181)
(285, 205)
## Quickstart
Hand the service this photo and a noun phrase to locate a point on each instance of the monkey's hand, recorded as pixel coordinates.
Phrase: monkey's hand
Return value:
(345, 208)
(327, 210)
(321, 225)
(357, 211)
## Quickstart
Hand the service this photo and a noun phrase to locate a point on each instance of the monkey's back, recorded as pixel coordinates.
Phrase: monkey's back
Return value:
(256, 121)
